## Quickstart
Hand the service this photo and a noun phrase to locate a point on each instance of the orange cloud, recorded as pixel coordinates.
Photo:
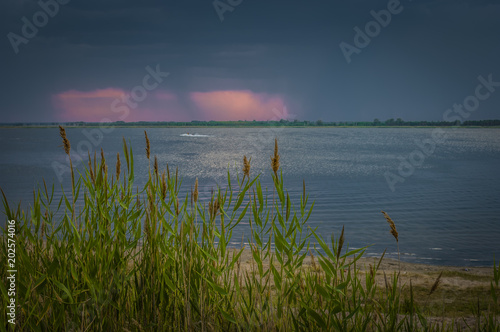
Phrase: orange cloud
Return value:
(163, 95)
(109, 105)
(90, 106)
(96, 94)
(233, 105)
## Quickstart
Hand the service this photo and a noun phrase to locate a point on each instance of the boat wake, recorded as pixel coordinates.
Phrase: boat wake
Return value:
(194, 135)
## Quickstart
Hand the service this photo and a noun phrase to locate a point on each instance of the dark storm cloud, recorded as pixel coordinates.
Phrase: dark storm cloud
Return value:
(424, 61)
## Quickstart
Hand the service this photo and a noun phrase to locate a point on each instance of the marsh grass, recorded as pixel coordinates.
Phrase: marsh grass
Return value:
(130, 259)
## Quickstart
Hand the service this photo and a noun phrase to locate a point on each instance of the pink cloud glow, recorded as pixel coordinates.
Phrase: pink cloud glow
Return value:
(96, 94)
(90, 106)
(164, 95)
(109, 105)
(237, 105)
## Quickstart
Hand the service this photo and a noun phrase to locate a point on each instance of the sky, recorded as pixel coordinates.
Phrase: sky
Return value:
(357, 60)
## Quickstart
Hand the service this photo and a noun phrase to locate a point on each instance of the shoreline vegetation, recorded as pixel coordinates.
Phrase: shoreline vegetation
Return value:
(113, 256)
(390, 123)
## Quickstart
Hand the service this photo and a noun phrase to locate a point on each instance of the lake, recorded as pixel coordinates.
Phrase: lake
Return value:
(440, 186)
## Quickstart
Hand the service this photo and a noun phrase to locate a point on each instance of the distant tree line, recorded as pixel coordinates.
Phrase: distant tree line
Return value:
(286, 123)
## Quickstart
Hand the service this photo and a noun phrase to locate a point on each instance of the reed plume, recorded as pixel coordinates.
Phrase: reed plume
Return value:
(211, 210)
(156, 166)
(341, 243)
(151, 199)
(177, 211)
(163, 186)
(102, 156)
(246, 167)
(195, 193)
(394, 232)
(176, 175)
(275, 160)
(436, 284)
(104, 167)
(147, 229)
(214, 208)
(90, 170)
(148, 150)
(118, 166)
(66, 145)
(125, 151)
(44, 225)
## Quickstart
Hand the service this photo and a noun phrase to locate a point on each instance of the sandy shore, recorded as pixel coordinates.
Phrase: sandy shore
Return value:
(420, 273)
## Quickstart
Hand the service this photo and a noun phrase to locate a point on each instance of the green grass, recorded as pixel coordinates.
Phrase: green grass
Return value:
(122, 258)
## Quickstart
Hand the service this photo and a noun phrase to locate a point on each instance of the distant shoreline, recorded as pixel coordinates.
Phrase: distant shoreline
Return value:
(229, 126)
(283, 123)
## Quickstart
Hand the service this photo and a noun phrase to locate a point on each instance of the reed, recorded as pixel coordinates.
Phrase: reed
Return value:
(195, 192)
(246, 168)
(126, 258)
(394, 233)
(118, 166)
(163, 186)
(275, 159)
(436, 284)
(66, 144)
(148, 146)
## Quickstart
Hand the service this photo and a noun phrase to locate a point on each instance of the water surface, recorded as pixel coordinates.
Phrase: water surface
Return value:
(447, 210)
